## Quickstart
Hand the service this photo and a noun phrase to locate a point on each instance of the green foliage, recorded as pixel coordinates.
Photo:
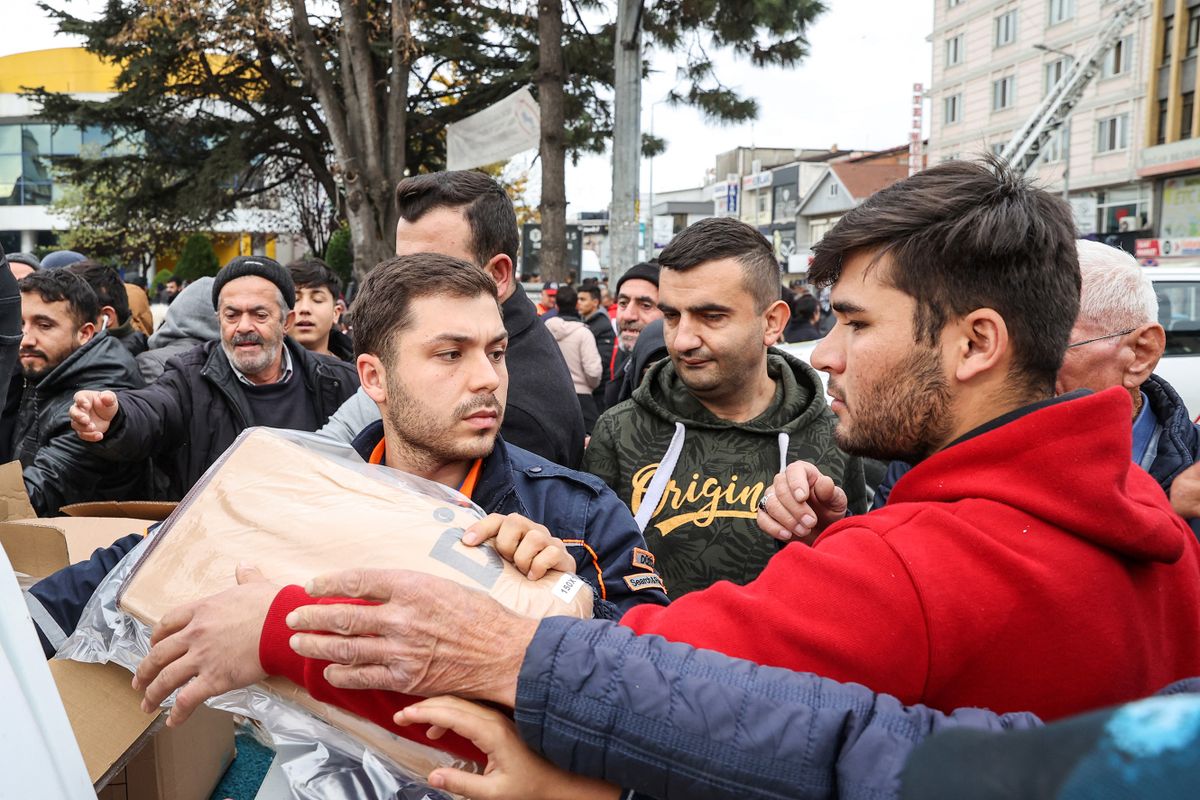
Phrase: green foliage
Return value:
(198, 259)
(339, 255)
(180, 156)
(100, 226)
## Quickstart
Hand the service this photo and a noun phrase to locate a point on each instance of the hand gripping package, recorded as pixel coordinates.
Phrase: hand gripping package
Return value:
(296, 506)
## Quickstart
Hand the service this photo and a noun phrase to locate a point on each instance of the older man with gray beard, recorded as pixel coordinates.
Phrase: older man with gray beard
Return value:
(255, 375)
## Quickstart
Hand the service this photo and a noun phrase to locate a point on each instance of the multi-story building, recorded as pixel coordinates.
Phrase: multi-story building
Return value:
(28, 146)
(1170, 158)
(995, 60)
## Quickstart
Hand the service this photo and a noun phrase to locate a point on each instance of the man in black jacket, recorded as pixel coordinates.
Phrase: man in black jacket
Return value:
(115, 316)
(596, 318)
(61, 352)
(207, 396)
(467, 215)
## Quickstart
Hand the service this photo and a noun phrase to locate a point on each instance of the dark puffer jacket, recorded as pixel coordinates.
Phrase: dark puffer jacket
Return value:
(59, 467)
(187, 418)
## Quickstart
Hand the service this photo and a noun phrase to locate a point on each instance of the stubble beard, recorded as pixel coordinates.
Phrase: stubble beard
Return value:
(426, 440)
(904, 415)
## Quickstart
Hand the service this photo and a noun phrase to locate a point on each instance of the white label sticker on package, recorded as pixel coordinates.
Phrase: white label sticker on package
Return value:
(567, 587)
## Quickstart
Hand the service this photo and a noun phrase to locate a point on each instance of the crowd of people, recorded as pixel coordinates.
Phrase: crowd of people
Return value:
(774, 615)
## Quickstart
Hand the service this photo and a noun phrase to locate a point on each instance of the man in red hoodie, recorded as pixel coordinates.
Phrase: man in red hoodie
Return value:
(1024, 564)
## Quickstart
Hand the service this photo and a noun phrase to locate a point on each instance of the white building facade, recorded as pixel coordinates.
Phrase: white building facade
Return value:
(994, 62)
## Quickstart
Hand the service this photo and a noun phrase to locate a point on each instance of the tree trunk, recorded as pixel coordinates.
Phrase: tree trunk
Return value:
(363, 130)
(552, 149)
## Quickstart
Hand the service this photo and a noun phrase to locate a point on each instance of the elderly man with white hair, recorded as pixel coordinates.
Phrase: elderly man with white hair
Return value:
(1117, 341)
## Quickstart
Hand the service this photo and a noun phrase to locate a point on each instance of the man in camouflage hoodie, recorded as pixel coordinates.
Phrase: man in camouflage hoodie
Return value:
(707, 430)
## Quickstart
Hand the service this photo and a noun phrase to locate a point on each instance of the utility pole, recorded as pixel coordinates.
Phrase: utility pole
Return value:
(627, 140)
(552, 148)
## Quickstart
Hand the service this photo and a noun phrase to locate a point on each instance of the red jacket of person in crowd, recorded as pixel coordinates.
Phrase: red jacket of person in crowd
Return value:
(1030, 567)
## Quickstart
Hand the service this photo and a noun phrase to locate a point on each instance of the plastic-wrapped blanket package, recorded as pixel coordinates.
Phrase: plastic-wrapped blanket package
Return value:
(296, 505)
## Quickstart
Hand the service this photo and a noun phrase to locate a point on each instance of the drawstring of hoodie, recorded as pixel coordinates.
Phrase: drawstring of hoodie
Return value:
(666, 468)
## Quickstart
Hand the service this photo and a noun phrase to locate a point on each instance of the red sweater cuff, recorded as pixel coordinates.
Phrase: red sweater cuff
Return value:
(274, 652)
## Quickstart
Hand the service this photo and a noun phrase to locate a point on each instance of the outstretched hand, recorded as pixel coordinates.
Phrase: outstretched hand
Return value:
(92, 413)
(210, 645)
(513, 772)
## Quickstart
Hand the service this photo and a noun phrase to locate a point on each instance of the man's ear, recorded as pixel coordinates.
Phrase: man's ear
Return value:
(982, 343)
(776, 318)
(85, 333)
(500, 267)
(1147, 343)
(109, 313)
(289, 319)
(373, 377)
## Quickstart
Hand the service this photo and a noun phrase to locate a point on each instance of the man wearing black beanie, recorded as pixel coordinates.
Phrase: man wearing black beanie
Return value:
(254, 375)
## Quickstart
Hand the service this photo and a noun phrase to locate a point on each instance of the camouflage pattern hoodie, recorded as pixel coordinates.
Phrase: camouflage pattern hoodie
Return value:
(698, 512)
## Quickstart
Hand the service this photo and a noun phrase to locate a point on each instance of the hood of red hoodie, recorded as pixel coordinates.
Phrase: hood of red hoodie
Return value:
(1060, 464)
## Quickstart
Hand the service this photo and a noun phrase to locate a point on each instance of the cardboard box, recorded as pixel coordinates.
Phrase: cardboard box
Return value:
(157, 510)
(39, 547)
(132, 756)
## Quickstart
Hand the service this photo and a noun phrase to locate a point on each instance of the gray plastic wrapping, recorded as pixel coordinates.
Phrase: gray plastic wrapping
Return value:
(320, 760)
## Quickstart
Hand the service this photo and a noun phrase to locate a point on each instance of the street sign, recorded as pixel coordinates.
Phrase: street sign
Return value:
(531, 248)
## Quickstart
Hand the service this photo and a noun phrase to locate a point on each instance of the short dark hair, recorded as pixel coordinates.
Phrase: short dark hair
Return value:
(382, 307)
(55, 285)
(804, 306)
(592, 289)
(968, 235)
(107, 284)
(313, 273)
(716, 238)
(486, 205)
(567, 299)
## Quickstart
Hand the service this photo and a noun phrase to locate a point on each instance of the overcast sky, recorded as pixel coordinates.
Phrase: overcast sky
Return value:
(852, 91)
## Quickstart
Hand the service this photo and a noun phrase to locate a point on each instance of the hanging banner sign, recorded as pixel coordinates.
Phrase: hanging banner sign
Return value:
(495, 134)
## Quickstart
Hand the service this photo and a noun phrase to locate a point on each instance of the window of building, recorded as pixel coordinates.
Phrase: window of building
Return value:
(1119, 58)
(1112, 133)
(26, 152)
(1168, 37)
(954, 50)
(833, 189)
(1004, 92)
(1161, 136)
(997, 148)
(954, 3)
(1054, 72)
(764, 203)
(1061, 11)
(1006, 28)
(1185, 120)
(1124, 210)
(953, 109)
(1193, 34)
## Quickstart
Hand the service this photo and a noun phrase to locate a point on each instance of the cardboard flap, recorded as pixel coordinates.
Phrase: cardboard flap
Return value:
(105, 714)
(39, 547)
(14, 500)
(157, 510)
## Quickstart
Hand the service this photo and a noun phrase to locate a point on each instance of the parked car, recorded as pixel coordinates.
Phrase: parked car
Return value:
(1178, 290)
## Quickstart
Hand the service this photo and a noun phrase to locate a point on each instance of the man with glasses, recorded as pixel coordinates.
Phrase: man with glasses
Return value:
(1117, 341)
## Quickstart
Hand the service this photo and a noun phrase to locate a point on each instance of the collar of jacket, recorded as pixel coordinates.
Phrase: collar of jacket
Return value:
(101, 356)
(218, 370)
(519, 313)
(495, 491)
(1179, 444)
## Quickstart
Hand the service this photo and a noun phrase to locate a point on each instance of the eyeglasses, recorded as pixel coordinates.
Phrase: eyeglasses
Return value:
(1101, 338)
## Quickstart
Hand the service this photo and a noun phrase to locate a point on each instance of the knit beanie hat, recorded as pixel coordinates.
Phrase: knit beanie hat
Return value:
(646, 272)
(261, 266)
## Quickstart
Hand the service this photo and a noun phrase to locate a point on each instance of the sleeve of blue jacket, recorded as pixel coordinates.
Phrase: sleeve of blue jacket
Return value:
(57, 601)
(670, 721)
